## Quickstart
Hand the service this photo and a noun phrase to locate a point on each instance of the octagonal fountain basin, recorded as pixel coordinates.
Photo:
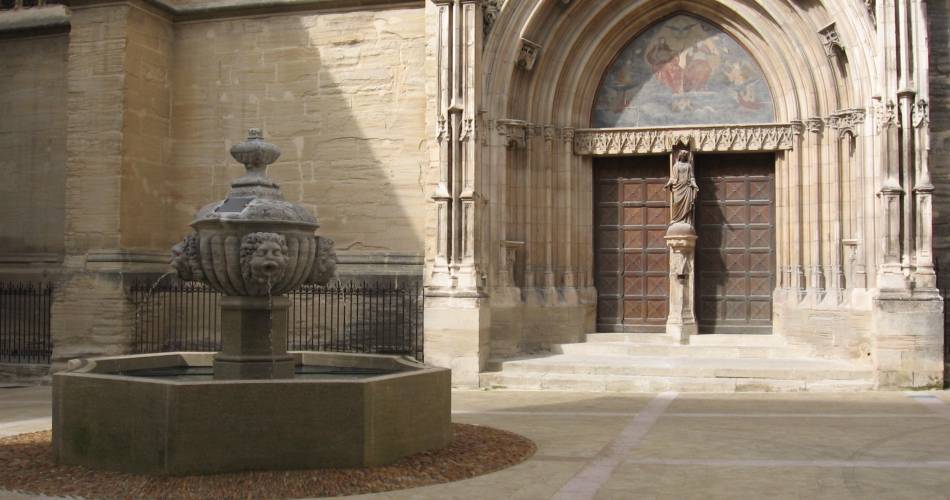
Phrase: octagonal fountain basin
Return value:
(164, 414)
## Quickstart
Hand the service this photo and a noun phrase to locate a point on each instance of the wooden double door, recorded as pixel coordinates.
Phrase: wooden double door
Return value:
(735, 255)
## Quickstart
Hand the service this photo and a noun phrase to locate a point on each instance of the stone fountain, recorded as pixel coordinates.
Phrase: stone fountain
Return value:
(253, 405)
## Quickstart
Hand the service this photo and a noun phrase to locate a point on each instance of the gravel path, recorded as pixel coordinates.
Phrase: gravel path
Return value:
(28, 467)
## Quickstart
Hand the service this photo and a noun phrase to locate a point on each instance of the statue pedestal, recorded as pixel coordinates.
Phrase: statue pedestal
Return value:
(253, 339)
(681, 322)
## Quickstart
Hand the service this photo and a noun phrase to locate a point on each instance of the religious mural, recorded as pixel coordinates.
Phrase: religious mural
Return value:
(683, 71)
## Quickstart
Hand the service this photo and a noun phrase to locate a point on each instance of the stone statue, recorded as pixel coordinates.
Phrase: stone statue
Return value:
(264, 259)
(682, 185)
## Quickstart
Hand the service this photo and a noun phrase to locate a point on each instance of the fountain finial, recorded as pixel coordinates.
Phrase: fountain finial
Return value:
(255, 154)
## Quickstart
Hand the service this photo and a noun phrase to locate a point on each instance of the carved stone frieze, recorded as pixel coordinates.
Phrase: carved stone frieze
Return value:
(831, 40)
(603, 142)
(528, 54)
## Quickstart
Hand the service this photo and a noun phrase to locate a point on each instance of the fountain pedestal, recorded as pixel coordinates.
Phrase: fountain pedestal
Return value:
(254, 339)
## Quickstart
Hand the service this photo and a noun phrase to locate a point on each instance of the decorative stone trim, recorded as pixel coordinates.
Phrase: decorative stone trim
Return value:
(606, 142)
(831, 40)
(921, 113)
(52, 18)
(885, 115)
(846, 121)
(528, 54)
(490, 11)
(236, 8)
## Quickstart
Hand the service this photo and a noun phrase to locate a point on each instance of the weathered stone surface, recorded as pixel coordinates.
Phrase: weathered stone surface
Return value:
(161, 426)
(340, 93)
(33, 141)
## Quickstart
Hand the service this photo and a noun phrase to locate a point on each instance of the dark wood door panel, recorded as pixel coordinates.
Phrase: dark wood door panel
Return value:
(632, 260)
(735, 268)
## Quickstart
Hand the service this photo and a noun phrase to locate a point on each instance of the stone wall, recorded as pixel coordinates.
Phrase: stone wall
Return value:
(33, 141)
(939, 17)
(342, 94)
(146, 185)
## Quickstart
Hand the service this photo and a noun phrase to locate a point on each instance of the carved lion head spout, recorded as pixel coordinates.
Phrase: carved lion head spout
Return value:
(263, 260)
(324, 266)
(185, 259)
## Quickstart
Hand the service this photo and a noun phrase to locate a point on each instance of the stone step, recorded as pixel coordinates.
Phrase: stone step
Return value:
(635, 384)
(721, 340)
(604, 367)
(680, 351)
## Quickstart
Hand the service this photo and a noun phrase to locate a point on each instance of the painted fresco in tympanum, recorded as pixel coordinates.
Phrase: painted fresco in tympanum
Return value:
(683, 71)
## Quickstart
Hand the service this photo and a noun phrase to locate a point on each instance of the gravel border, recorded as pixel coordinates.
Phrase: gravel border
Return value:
(28, 467)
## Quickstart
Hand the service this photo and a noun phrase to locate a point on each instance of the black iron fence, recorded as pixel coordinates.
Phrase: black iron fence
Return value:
(352, 317)
(25, 322)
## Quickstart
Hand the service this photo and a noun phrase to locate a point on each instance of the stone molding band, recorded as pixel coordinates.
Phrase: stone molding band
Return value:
(233, 8)
(609, 142)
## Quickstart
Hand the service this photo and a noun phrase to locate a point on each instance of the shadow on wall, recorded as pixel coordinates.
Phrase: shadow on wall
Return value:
(938, 15)
(342, 94)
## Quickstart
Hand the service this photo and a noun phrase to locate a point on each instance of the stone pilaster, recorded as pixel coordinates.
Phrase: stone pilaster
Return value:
(457, 315)
(117, 122)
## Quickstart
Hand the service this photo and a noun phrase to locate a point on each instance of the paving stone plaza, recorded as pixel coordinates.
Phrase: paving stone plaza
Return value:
(676, 446)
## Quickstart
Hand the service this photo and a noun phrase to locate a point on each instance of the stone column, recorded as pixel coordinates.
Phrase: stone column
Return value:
(457, 314)
(681, 323)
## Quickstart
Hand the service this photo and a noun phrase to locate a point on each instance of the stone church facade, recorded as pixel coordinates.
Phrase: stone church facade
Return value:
(517, 156)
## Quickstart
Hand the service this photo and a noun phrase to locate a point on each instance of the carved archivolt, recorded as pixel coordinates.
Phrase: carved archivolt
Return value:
(603, 142)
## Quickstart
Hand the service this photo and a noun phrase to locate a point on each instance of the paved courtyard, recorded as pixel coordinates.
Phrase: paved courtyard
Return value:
(605, 446)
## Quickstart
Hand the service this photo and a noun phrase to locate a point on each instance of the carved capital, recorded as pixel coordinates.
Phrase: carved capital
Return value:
(847, 121)
(528, 54)
(515, 132)
(567, 134)
(815, 125)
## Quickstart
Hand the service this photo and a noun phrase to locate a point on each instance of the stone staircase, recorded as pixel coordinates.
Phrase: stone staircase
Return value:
(638, 362)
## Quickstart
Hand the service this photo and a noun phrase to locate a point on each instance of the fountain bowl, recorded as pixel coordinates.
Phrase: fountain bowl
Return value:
(164, 414)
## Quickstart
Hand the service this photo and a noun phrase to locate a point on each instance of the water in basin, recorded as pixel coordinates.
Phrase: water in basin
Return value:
(303, 372)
